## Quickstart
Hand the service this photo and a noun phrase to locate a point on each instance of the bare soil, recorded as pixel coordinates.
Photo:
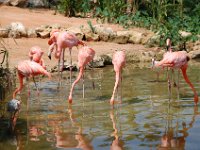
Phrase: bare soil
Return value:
(31, 18)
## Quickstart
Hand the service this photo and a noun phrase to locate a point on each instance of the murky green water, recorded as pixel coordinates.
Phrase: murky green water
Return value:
(145, 119)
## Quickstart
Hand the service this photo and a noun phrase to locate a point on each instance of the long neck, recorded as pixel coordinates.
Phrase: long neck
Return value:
(117, 78)
(20, 85)
(183, 69)
(75, 82)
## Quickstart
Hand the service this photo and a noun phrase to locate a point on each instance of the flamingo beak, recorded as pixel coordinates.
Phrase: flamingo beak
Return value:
(49, 55)
(167, 47)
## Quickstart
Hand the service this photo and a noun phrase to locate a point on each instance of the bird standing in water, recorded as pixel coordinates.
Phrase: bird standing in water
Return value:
(118, 61)
(178, 60)
(62, 40)
(85, 55)
(28, 68)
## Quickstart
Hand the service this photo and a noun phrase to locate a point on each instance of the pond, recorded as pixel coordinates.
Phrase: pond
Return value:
(149, 117)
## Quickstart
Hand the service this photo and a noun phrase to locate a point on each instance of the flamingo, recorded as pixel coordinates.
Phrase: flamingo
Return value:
(28, 68)
(178, 60)
(85, 55)
(62, 40)
(35, 54)
(118, 61)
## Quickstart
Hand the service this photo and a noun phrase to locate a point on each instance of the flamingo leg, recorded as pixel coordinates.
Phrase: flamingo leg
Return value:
(83, 86)
(36, 85)
(70, 67)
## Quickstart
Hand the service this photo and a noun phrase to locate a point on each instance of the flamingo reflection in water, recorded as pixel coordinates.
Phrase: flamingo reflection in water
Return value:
(170, 139)
(65, 139)
(117, 144)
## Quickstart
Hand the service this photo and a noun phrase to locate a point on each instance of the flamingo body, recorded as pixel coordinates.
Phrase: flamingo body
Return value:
(28, 68)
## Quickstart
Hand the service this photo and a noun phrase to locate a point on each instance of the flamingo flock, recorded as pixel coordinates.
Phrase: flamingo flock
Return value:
(60, 40)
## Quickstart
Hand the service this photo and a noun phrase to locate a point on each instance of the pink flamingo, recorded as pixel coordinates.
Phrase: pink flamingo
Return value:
(62, 40)
(85, 55)
(118, 61)
(28, 68)
(178, 60)
(35, 54)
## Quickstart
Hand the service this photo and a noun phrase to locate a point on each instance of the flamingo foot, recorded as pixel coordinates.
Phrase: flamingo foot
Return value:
(70, 100)
(112, 102)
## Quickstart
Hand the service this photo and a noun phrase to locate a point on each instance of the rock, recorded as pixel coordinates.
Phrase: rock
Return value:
(97, 62)
(91, 36)
(154, 40)
(136, 37)
(77, 31)
(101, 61)
(194, 54)
(140, 56)
(19, 3)
(44, 34)
(122, 37)
(17, 30)
(4, 32)
(66, 67)
(103, 32)
(37, 3)
(31, 33)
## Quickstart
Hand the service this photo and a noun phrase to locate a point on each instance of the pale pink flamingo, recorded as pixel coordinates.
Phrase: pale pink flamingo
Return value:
(85, 55)
(35, 54)
(178, 60)
(28, 68)
(62, 40)
(118, 61)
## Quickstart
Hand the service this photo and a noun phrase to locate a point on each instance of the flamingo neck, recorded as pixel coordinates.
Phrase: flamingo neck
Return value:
(76, 81)
(183, 69)
(117, 77)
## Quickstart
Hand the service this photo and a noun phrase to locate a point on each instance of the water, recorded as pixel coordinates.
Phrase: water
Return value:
(146, 119)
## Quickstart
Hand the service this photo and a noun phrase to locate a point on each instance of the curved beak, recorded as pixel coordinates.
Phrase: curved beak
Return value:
(49, 55)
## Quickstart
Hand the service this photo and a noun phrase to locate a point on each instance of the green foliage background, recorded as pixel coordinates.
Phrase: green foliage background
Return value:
(165, 17)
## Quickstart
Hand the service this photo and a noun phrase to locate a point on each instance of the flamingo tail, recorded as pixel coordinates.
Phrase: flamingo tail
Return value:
(183, 69)
(74, 83)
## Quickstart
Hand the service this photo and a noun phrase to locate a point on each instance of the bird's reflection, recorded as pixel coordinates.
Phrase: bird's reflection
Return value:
(170, 138)
(117, 143)
(83, 143)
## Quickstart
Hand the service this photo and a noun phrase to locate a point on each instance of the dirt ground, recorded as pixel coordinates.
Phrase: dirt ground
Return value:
(31, 18)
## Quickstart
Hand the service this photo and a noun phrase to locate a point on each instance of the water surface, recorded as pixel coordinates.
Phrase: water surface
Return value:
(148, 117)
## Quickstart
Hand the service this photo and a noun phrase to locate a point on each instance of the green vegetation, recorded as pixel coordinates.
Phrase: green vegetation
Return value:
(165, 17)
